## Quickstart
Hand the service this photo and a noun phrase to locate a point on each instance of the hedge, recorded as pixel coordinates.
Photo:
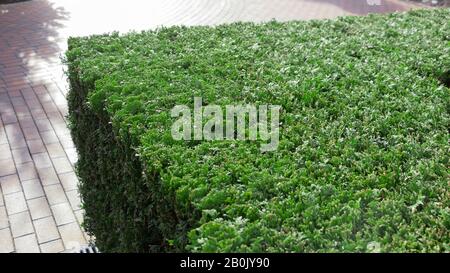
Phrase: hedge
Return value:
(362, 163)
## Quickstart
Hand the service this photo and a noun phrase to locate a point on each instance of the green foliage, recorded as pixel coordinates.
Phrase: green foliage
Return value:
(362, 163)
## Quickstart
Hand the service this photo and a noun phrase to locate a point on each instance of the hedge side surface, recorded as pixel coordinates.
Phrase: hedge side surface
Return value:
(362, 163)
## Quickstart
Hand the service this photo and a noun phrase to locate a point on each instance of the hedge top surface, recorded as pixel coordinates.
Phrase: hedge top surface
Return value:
(363, 154)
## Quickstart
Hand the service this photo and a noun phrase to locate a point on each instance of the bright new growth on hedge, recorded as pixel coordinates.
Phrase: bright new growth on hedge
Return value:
(362, 162)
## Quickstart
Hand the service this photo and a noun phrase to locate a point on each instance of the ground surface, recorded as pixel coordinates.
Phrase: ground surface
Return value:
(39, 203)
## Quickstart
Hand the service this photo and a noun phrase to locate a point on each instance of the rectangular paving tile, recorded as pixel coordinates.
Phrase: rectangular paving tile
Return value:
(55, 150)
(69, 181)
(42, 160)
(49, 107)
(27, 171)
(63, 214)
(21, 224)
(32, 189)
(33, 102)
(44, 125)
(39, 89)
(74, 199)
(36, 146)
(46, 230)
(44, 97)
(27, 244)
(9, 118)
(10, 184)
(72, 154)
(5, 151)
(6, 241)
(52, 247)
(27, 121)
(55, 194)
(28, 94)
(4, 222)
(7, 167)
(60, 128)
(62, 165)
(39, 208)
(23, 115)
(79, 214)
(38, 114)
(3, 138)
(71, 235)
(21, 155)
(66, 141)
(48, 176)
(17, 101)
(49, 137)
(31, 133)
(15, 136)
(15, 203)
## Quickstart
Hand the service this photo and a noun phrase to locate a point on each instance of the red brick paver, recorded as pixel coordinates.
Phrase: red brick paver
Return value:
(39, 203)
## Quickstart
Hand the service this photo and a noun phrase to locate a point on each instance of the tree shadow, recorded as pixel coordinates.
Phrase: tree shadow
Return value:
(32, 81)
(364, 7)
(31, 43)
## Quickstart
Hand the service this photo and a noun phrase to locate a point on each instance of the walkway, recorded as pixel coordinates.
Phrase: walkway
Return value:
(39, 203)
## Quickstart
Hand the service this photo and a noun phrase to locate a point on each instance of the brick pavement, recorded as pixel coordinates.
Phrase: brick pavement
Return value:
(39, 203)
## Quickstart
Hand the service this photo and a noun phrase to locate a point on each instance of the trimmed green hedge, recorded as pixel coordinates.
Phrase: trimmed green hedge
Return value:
(362, 163)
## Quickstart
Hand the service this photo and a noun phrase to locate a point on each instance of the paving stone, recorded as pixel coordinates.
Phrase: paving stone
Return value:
(26, 121)
(79, 214)
(74, 199)
(9, 118)
(71, 235)
(7, 167)
(15, 203)
(33, 102)
(44, 125)
(66, 141)
(36, 146)
(32, 189)
(27, 171)
(52, 247)
(49, 107)
(63, 214)
(27, 244)
(4, 222)
(17, 101)
(69, 181)
(57, 120)
(39, 208)
(15, 136)
(62, 165)
(42, 161)
(55, 194)
(21, 224)
(5, 152)
(55, 150)
(6, 241)
(46, 230)
(48, 176)
(60, 128)
(38, 114)
(49, 137)
(3, 138)
(10, 184)
(31, 133)
(21, 155)
(72, 154)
